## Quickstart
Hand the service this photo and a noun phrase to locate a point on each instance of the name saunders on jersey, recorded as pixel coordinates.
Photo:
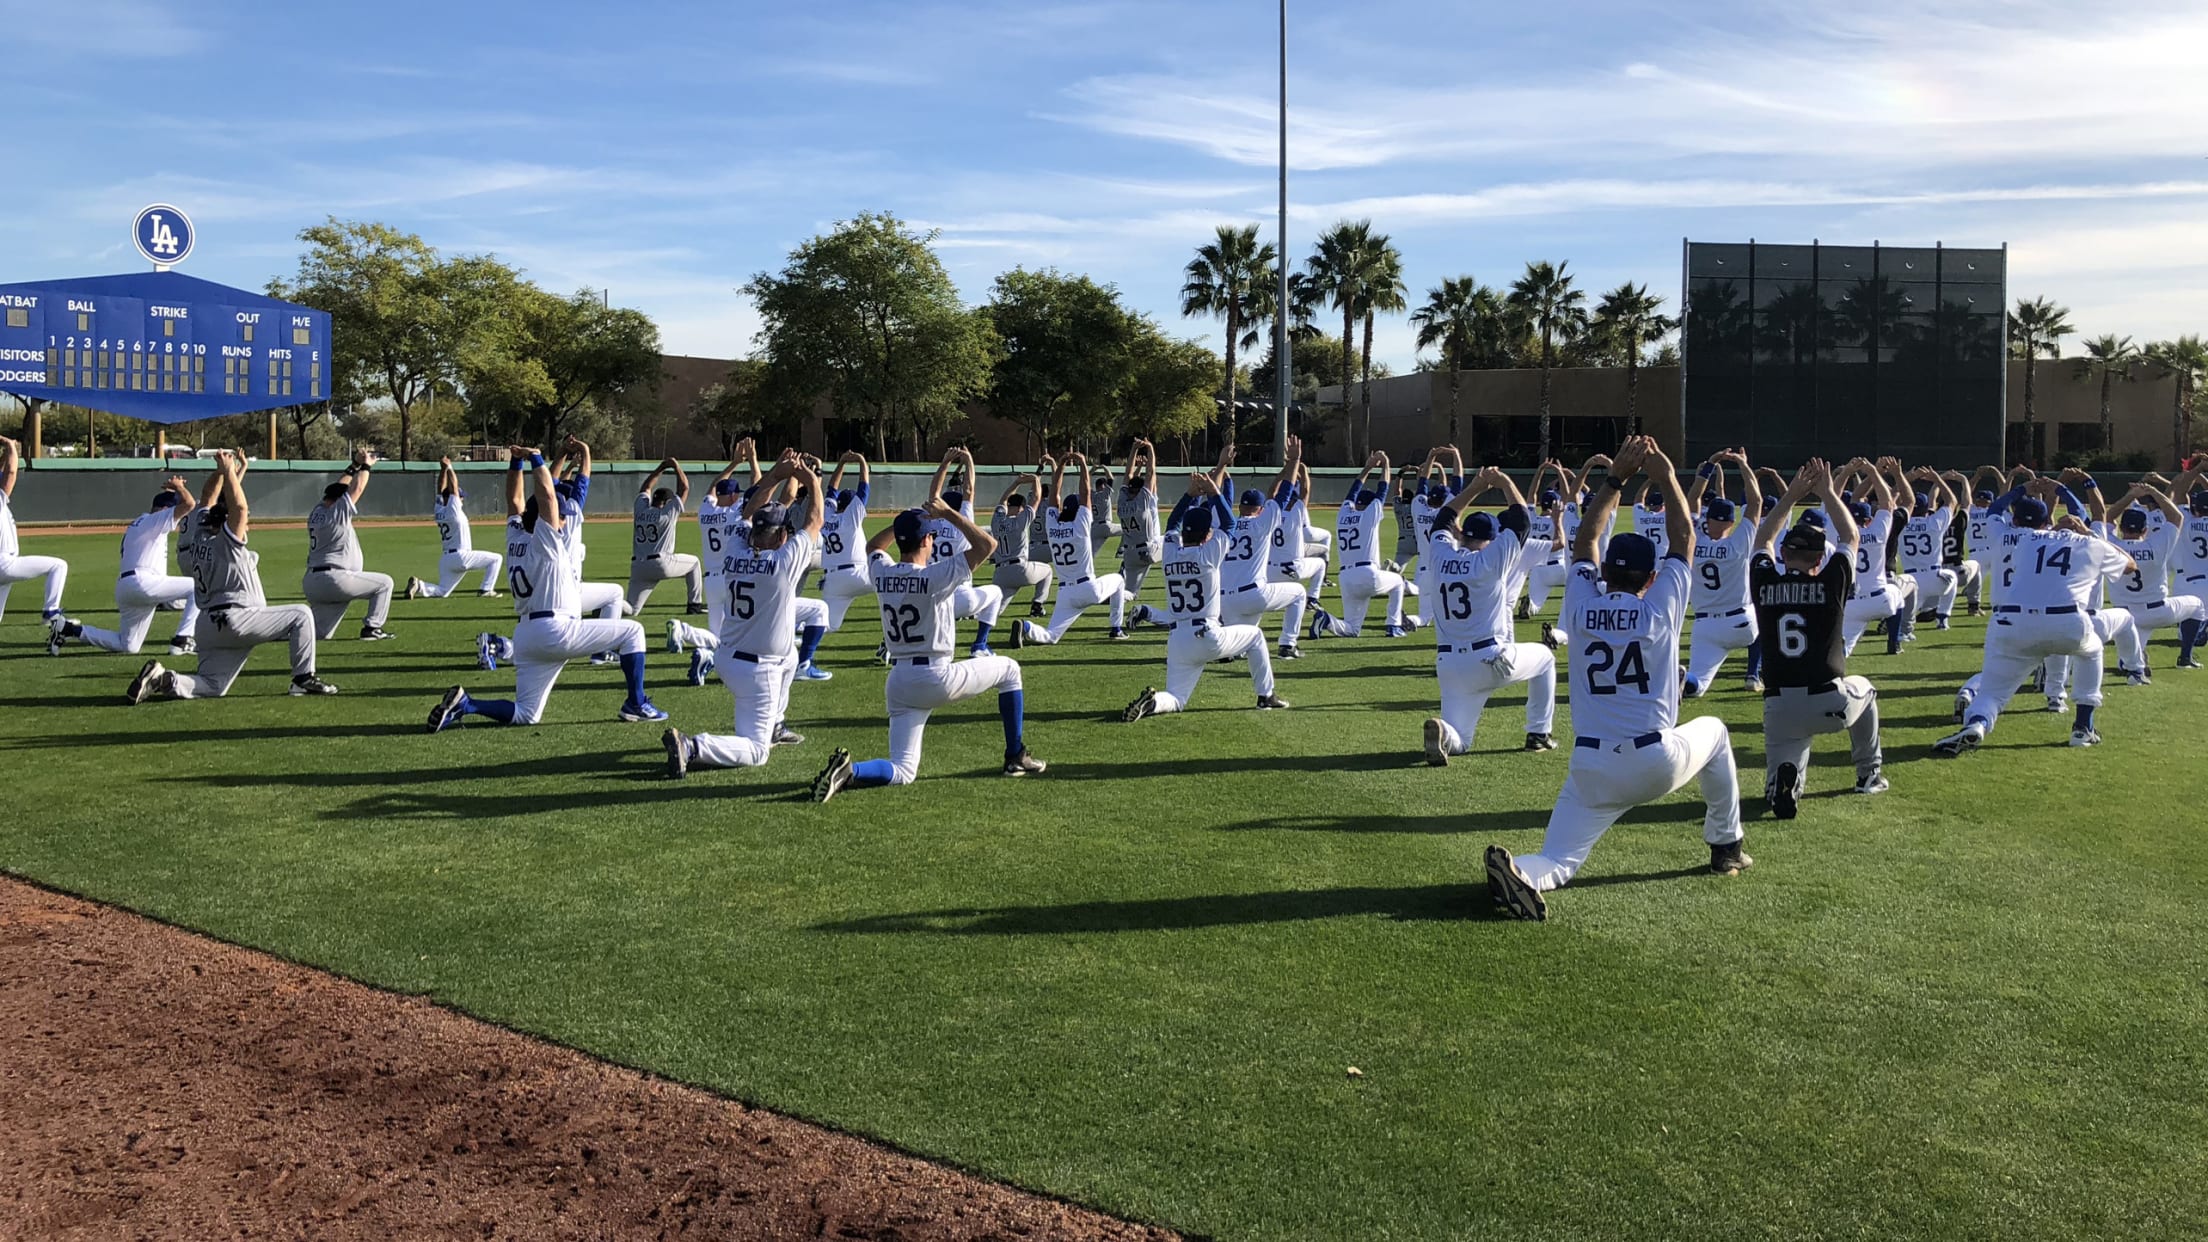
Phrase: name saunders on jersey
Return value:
(1809, 592)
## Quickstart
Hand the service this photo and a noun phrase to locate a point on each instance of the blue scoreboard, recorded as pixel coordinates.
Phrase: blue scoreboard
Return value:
(161, 346)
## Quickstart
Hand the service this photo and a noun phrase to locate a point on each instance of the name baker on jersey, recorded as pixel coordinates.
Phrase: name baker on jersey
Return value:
(1614, 620)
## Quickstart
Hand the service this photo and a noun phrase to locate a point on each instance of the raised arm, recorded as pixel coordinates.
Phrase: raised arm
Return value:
(581, 453)
(2160, 499)
(517, 459)
(645, 488)
(548, 495)
(448, 482)
(10, 451)
(1882, 495)
(1702, 476)
(184, 502)
(817, 512)
(980, 544)
(1086, 493)
(1751, 488)
(355, 477)
(1845, 533)
(1602, 507)
(942, 475)
(682, 481)
(1805, 479)
(233, 491)
(1678, 517)
(1288, 464)
(2082, 485)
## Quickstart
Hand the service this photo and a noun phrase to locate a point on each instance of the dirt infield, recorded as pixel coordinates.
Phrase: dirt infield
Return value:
(157, 1084)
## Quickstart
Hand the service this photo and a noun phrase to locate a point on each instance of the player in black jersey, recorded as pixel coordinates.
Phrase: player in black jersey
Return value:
(1801, 596)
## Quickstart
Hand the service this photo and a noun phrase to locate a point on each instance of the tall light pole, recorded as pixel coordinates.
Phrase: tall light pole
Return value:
(1283, 370)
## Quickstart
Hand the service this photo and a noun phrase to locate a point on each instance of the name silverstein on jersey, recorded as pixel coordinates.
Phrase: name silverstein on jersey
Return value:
(745, 565)
(900, 584)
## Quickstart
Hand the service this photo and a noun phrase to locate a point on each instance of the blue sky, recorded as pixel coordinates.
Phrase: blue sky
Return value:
(668, 151)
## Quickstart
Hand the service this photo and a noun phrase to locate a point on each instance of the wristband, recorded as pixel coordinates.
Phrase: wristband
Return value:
(1708, 471)
(518, 464)
(536, 461)
(2090, 484)
(1614, 481)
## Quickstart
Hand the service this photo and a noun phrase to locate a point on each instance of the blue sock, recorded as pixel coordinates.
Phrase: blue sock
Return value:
(1755, 660)
(872, 772)
(808, 642)
(1012, 709)
(2188, 637)
(500, 710)
(632, 671)
(2084, 722)
(981, 636)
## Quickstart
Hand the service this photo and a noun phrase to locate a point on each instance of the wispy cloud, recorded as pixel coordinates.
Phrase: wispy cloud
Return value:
(133, 29)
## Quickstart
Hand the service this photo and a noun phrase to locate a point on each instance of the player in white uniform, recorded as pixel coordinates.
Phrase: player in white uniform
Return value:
(652, 557)
(2053, 576)
(983, 602)
(1291, 558)
(2190, 563)
(1038, 534)
(915, 592)
(1479, 563)
(757, 657)
(1073, 556)
(460, 557)
(1878, 597)
(1650, 521)
(1195, 551)
(334, 577)
(551, 631)
(843, 579)
(1724, 541)
(722, 529)
(1102, 529)
(14, 566)
(1923, 539)
(235, 616)
(2144, 592)
(1545, 530)
(1357, 536)
(1444, 478)
(1579, 495)
(143, 583)
(1625, 622)
(1248, 590)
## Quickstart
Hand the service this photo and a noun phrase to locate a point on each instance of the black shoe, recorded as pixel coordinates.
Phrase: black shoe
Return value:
(1540, 741)
(834, 778)
(1118, 634)
(1974, 608)
(1549, 638)
(695, 610)
(1729, 859)
(1525, 610)
(374, 634)
(1437, 755)
(447, 709)
(183, 647)
(143, 684)
(1016, 637)
(415, 587)
(1510, 888)
(1024, 764)
(1271, 703)
(678, 753)
(786, 736)
(308, 683)
(1145, 704)
(1035, 608)
(1290, 652)
(1784, 785)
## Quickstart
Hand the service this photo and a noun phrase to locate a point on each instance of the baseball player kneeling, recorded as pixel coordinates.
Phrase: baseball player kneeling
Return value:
(916, 593)
(1625, 622)
(1801, 600)
(1479, 564)
(1195, 550)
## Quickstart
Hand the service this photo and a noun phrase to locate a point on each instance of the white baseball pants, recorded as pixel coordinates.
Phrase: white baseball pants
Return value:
(1793, 717)
(1360, 584)
(1865, 609)
(914, 691)
(53, 569)
(1612, 776)
(1469, 678)
(839, 588)
(542, 647)
(1248, 606)
(330, 592)
(1935, 590)
(1714, 638)
(1307, 571)
(452, 567)
(1075, 598)
(603, 598)
(2131, 643)
(2015, 641)
(761, 689)
(1188, 649)
(228, 635)
(1544, 579)
(137, 598)
(982, 603)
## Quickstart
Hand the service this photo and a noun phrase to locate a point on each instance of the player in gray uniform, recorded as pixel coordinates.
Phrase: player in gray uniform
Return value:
(1013, 526)
(654, 559)
(1101, 526)
(234, 614)
(14, 566)
(334, 576)
(1141, 541)
(1038, 534)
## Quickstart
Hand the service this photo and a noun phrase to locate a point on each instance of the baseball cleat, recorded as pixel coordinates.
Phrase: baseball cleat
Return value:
(1393, 631)
(1142, 615)
(1391, 567)
(2039, 678)
(2058, 702)
(486, 653)
(1024, 764)
(834, 778)
(1035, 608)
(415, 587)
(1145, 704)
(1510, 888)
(1786, 791)
(1957, 744)
(632, 713)
(486, 595)
(604, 658)
(1940, 624)
(1962, 705)
(1322, 625)
(143, 684)
(1437, 755)
(1875, 783)
(1752, 684)
(1540, 741)
(1118, 634)
(674, 636)
(1525, 610)
(809, 671)
(678, 753)
(2084, 737)
(1729, 858)
(974, 652)
(786, 736)
(1016, 637)
(308, 683)
(57, 632)
(183, 646)
(1271, 703)
(447, 709)
(375, 634)
(1289, 652)
(700, 666)
(1973, 607)
(1549, 638)
(2138, 677)
(2188, 662)
(881, 654)
(694, 610)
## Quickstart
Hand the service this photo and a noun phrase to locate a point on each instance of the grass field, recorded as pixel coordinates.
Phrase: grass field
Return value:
(1972, 1007)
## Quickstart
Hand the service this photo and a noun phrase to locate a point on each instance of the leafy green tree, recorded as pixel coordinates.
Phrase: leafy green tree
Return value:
(1343, 265)
(1546, 300)
(559, 358)
(733, 408)
(2109, 357)
(1169, 390)
(1065, 352)
(1626, 320)
(1384, 294)
(2186, 359)
(1316, 361)
(2035, 328)
(866, 316)
(1230, 278)
(1462, 320)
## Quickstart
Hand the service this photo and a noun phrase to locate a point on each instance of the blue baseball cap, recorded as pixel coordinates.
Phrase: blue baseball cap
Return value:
(1860, 512)
(1720, 509)
(2029, 511)
(2133, 518)
(1252, 498)
(954, 497)
(1631, 553)
(1366, 497)
(910, 526)
(1478, 527)
(1770, 503)
(1982, 496)
(1654, 499)
(1549, 496)
(1817, 517)
(2199, 500)
(1924, 503)
(1196, 524)
(726, 487)
(164, 500)
(768, 517)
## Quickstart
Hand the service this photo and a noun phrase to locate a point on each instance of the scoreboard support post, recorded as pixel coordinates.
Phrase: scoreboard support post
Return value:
(34, 427)
(272, 435)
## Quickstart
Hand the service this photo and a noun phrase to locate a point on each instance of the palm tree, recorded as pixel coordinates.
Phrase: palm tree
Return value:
(1223, 283)
(2111, 357)
(1545, 300)
(1336, 274)
(1384, 291)
(2036, 327)
(1628, 318)
(2187, 360)
(1463, 319)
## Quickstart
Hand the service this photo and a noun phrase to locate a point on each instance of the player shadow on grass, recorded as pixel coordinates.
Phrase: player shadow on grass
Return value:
(587, 763)
(1680, 811)
(1377, 761)
(156, 737)
(1414, 904)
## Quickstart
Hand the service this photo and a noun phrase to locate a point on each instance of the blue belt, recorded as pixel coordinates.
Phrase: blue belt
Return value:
(923, 660)
(1482, 645)
(545, 616)
(128, 573)
(1079, 581)
(1719, 616)
(745, 656)
(2057, 611)
(1251, 587)
(321, 569)
(1200, 624)
(1596, 743)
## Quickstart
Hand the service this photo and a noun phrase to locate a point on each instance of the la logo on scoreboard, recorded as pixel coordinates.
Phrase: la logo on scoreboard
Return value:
(164, 235)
